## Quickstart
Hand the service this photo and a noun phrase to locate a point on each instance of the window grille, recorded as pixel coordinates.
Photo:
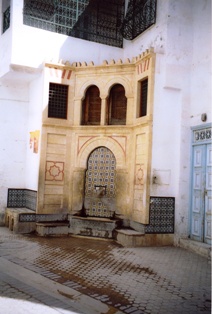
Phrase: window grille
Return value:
(58, 100)
(143, 98)
(141, 14)
(6, 20)
(101, 22)
(56, 16)
(95, 20)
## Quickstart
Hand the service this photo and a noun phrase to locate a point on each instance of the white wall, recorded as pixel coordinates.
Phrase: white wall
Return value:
(34, 121)
(181, 39)
(201, 63)
(5, 44)
(31, 46)
(13, 108)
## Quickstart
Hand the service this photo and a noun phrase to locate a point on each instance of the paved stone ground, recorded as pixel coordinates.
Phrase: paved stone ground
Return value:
(79, 275)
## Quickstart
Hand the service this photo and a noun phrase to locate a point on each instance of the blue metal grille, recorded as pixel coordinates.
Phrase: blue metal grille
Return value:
(161, 215)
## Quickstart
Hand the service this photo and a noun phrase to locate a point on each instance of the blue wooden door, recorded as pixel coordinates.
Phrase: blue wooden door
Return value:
(201, 193)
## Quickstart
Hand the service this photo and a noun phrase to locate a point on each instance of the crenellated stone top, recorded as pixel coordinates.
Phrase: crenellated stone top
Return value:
(111, 62)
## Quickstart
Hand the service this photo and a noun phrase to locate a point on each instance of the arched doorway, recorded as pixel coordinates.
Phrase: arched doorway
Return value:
(100, 183)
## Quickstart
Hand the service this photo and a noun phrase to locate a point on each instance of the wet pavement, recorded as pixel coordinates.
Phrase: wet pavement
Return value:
(80, 275)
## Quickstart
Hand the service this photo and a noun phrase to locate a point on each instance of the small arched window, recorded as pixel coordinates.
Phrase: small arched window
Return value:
(91, 107)
(117, 106)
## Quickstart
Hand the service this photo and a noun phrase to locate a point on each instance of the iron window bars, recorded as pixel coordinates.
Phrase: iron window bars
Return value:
(141, 14)
(58, 100)
(143, 98)
(99, 21)
(6, 19)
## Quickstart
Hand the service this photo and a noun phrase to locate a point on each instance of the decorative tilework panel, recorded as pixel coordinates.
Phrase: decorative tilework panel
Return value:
(24, 217)
(22, 198)
(27, 217)
(161, 214)
(51, 217)
(100, 186)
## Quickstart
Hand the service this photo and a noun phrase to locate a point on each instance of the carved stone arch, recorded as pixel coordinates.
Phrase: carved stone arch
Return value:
(80, 94)
(107, 142)
(119, 80)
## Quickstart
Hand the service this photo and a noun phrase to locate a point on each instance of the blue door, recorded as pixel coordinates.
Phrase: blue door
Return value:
(201, 191)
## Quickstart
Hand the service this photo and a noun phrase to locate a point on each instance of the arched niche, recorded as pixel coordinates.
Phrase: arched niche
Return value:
(109, 143)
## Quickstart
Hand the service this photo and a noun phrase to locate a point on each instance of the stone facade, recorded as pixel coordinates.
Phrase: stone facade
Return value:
(67, 145)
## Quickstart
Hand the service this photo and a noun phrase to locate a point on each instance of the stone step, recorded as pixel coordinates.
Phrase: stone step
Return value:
(132, 238)
(52, 228)
(196, 247)
(93, 226)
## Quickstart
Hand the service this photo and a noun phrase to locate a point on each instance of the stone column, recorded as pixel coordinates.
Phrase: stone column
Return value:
(103, 111)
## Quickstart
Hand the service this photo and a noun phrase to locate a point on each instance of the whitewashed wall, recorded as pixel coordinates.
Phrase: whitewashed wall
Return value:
(13, 126)
(182, 40)
(31, 46)
(200, 88)
(34, 121)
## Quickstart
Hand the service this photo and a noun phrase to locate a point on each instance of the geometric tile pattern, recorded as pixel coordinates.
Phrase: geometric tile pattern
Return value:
(161, 215)
(100, 179)
(24, 217)
(22, 198)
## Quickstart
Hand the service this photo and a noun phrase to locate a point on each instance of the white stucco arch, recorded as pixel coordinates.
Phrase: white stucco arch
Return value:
(107, 142)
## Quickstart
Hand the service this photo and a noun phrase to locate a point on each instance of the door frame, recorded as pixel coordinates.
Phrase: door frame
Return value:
(201, 135)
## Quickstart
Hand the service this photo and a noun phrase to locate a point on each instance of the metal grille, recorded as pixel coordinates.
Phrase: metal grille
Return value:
(202, 135)
(6, 20)
(95, 20)
(58, 99)
(101, 22)
(161, 215)
(143, 98)
(141, 14)
(56, 16)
